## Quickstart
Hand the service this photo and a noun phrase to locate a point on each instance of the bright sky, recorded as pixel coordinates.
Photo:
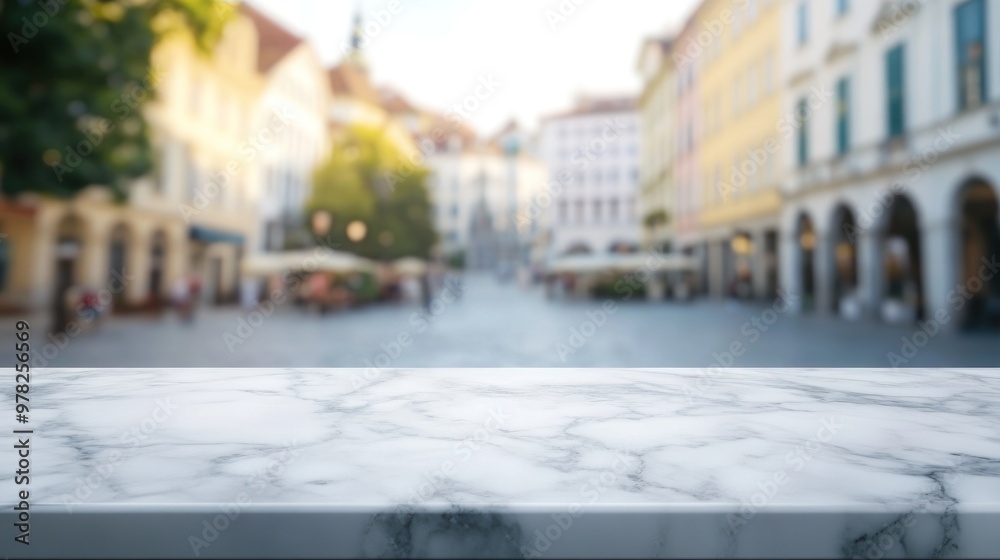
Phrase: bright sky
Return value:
(436, 51)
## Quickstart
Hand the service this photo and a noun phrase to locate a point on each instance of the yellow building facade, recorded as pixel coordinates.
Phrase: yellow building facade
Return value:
(738, 57)
(210, 146)
(657, 109)
(190, 217)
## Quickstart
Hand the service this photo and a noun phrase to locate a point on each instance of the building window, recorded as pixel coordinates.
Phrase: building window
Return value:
(579, 211)
(191, 175)
(563, 212)
(895, 69)
(613, 209)
(802, 110)
(597, 210)
(843, 115)
(769, 72)
(970, 32)
(843, 6)
(716, 186)
(802, 22)
(736, 95)
(613, 176)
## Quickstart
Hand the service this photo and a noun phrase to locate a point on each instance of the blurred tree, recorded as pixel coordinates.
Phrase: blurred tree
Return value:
(74, 73)
(367, 178)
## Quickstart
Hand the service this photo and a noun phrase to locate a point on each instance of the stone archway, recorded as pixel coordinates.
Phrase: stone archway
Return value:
(845, 300)
(118, 255)
(739, 266)
(157, 268)
(579, 248)
(805, 235)
(69, 247)
(903, 285)
(979, 219)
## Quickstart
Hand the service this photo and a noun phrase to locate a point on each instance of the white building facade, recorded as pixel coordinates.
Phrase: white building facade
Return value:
(593, 156)
(290, 127)
(481, 193)
(894, 165)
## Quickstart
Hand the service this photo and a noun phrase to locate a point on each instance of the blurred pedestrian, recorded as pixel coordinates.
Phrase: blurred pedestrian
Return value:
(180, 295)
(425, 290)
(90, 307)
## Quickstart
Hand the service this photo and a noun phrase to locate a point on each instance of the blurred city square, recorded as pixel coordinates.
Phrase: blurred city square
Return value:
(495, 324)
(723, 184)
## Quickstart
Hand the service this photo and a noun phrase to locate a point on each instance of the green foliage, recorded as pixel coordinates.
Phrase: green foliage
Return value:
(75, 75)
(618, 286)
(365, 287)
(656, 218)
(367, 178)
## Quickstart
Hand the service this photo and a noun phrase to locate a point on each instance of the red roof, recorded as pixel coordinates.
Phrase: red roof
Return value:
(274, 41)
(347, 79)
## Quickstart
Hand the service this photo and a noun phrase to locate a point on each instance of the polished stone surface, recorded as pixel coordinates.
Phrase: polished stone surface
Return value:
(542, 462)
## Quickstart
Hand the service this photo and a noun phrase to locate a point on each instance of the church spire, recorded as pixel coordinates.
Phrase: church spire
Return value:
(357, 57)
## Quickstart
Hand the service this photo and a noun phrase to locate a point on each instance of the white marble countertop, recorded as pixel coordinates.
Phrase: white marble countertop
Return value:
(503, 437)
(688, 449)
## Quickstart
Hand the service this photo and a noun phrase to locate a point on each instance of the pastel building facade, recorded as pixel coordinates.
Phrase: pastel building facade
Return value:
(194, 215)
(657, 105)
(592, 154)
(892, 179)
(739, 100)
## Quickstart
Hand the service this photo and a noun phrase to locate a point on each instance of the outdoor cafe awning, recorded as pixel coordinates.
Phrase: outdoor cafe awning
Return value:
(209, 235)
(410, 266)
(618, 262)
(325, 260)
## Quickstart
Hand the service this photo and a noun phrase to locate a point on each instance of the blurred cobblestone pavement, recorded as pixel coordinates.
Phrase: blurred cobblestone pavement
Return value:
(496, 325)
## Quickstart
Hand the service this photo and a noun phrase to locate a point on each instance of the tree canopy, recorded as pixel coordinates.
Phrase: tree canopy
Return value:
(74, 74)
(368, 179)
